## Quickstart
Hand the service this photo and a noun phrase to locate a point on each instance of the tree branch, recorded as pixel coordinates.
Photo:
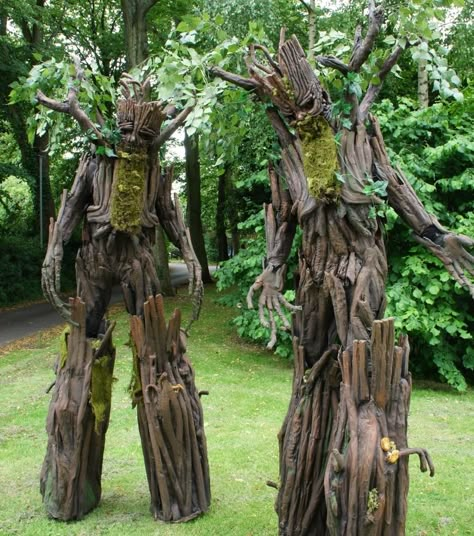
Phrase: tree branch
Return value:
(363, 49)
(167, 132)
(374, 89)
(308, 7)
(246, 83)
(72, 106)
(333, 62)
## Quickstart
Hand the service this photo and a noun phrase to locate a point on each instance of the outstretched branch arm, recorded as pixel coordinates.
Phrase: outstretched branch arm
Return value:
(171, 218)
(280, 224)
(374, 89)
(449, 247)
(170, 129)
(246, 83)
(363, 47)
(71, 106)
(280, 229)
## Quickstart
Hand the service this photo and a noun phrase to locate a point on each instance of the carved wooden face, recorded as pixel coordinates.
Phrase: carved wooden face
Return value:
(139, 122)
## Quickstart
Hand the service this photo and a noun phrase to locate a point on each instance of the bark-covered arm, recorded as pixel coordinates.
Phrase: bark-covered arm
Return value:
(280, 227)
(171, 218)
(449, 247)
(70, 214)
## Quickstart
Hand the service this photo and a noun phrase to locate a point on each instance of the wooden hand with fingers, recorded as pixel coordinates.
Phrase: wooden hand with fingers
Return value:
(271, 282)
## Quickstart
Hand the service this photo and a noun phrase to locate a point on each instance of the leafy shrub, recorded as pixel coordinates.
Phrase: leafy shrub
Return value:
(435, 149)
(20, 265)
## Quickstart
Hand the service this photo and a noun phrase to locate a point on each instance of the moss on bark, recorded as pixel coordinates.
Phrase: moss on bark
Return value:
(319, 157)
(101, 388)
(127, 193)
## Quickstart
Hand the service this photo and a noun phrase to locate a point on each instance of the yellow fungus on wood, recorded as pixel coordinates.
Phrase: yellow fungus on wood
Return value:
(392, 457)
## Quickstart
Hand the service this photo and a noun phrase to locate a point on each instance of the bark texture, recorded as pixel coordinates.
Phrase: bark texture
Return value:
(134, 16)
(160, 254)
(77, 422)
(169, 417)
(343, 448)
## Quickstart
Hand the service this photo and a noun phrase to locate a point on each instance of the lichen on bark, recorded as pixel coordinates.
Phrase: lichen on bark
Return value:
(101, 388)
(127, 193)
(319, 157)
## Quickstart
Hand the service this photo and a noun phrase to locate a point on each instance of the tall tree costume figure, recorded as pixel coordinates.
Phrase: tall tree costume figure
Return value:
(343, 443)
(120, 199)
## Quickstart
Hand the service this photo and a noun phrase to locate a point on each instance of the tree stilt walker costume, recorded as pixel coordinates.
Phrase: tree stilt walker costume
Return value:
(120, 199)
(343, 444)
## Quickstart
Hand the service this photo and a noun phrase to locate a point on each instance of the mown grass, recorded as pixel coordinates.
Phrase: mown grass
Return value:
(249, 392)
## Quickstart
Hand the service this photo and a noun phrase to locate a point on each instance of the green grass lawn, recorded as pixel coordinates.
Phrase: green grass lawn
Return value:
(249, 392)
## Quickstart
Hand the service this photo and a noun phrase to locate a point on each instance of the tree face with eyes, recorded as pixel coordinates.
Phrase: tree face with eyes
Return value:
(344, 437)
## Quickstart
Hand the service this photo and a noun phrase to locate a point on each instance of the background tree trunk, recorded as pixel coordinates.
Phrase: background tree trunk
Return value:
(15, 114)
(423, 86)
(136, 37)
(311, 30)
(193, 189)
(221, 235)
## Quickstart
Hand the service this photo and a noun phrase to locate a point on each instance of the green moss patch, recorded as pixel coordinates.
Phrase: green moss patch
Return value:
(127, 192)
(319, 157)
(101, 388)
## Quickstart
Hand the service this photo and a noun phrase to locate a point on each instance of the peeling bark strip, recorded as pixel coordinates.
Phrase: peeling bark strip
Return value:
(78, 419)
(170, 417)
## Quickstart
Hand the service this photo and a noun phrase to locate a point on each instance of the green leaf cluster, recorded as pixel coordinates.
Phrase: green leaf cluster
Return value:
(435, 149)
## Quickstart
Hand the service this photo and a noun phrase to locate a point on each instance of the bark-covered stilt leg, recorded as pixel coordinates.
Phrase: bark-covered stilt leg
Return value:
(77, 422)
(366, 482)
(170, 417)
(304, 440)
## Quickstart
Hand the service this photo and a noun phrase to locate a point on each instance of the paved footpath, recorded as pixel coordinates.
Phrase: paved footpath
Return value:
(25, 321)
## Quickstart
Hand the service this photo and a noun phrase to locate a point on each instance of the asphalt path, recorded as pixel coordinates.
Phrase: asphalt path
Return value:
(24, 321)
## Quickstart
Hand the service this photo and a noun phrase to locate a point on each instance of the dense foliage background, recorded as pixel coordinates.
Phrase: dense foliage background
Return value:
(431, 141)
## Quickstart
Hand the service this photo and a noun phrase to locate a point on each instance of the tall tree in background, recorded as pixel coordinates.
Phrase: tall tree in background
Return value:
(193, 193)
(17, 57)
(136, 35)
(221, 234)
